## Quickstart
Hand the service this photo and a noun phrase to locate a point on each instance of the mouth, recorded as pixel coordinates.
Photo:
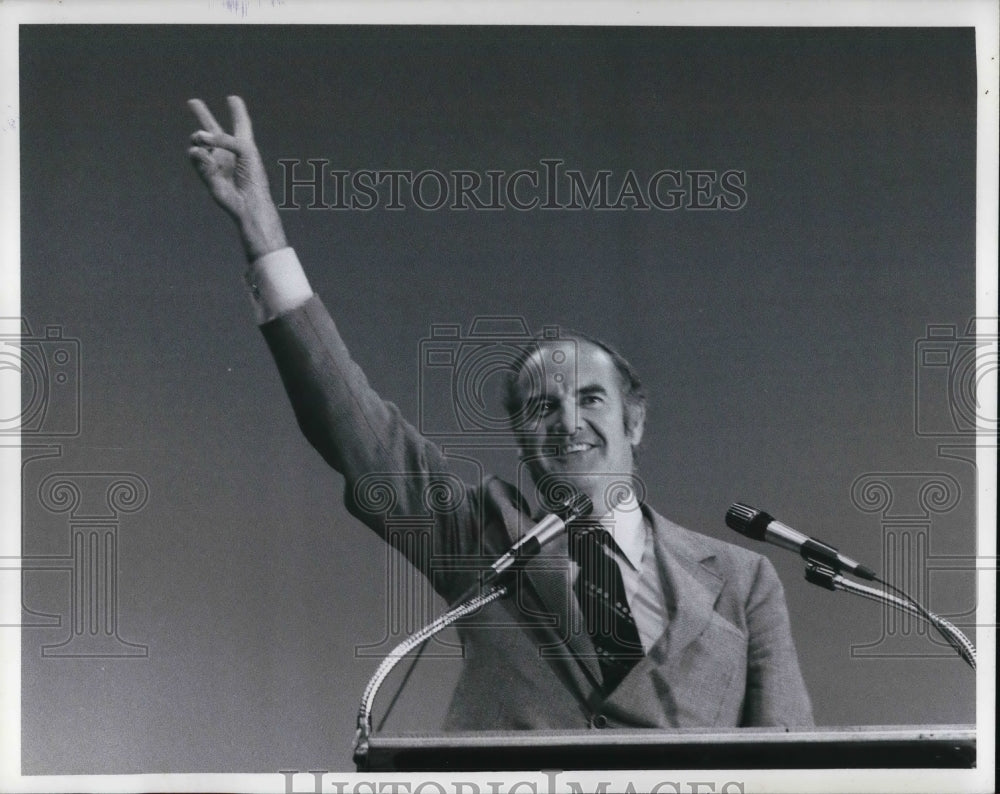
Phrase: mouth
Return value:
(574, 449)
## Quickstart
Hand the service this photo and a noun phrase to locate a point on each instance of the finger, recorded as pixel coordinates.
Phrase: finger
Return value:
(199, 155)
(220, 139)
(197, 142)
(204, 115)
(202, 159)
(202, 162)
(241, 118)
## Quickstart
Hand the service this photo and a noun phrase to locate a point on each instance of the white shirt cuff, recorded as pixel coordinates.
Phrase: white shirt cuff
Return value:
(277, 284)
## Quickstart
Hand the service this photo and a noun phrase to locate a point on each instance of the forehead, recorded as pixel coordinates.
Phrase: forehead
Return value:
(568, 365)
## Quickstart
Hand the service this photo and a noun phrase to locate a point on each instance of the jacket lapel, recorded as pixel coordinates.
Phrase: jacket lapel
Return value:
(691, 589)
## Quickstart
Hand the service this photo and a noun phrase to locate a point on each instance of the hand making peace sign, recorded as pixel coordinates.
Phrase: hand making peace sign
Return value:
(232, 170)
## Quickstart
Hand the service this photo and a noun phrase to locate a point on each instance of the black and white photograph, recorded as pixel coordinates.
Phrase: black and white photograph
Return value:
(577, 397)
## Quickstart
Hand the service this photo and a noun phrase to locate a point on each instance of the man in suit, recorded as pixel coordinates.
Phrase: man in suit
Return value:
(695, 631)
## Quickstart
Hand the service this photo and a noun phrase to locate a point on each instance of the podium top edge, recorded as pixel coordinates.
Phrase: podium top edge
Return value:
(697, 736)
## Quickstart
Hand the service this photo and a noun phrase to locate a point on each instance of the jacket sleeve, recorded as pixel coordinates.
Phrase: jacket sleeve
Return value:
(389, 467)
(775, 691)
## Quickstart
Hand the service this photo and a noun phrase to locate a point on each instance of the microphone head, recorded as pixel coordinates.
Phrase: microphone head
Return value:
(576, 506)
(748, 520)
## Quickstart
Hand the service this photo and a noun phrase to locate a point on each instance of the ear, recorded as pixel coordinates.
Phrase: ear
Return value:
(635, 423)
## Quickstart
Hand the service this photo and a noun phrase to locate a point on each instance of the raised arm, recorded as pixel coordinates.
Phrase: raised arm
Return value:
(355, 431)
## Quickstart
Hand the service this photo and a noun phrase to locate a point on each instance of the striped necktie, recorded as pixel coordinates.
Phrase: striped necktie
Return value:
(601, 594)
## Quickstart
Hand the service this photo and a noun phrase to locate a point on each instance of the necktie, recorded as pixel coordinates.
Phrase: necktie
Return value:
(606, 614)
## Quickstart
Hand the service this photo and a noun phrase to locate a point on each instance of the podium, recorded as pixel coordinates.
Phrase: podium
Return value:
(884, 747)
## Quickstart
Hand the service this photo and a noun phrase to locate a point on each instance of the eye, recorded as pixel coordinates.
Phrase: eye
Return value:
(591, 400)
(540, 406)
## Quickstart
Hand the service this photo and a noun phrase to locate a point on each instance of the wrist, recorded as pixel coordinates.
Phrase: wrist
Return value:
(262, 233)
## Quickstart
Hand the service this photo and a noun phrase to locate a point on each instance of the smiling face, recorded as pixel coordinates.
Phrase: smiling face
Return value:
(575, 390)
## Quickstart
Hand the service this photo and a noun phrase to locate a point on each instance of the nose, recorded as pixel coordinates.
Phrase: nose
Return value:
(564, 418)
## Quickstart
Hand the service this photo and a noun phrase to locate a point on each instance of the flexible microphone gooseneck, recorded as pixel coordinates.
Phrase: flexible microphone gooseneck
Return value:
(824, 565)
(759, 525)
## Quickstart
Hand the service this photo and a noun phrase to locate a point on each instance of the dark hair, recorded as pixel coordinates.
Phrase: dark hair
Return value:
(633, 392)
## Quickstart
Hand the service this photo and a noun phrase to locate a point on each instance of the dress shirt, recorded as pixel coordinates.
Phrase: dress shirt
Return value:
(636, 557)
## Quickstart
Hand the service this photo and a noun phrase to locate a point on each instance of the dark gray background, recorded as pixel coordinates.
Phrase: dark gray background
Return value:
(778, 341)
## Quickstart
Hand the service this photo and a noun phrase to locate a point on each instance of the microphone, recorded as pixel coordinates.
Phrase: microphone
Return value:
(541, 534)
(759, 525)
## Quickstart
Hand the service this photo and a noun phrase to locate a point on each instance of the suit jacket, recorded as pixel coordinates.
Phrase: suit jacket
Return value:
(725, 658)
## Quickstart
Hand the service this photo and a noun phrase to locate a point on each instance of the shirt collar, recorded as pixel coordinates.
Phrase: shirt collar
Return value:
(628, 528)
